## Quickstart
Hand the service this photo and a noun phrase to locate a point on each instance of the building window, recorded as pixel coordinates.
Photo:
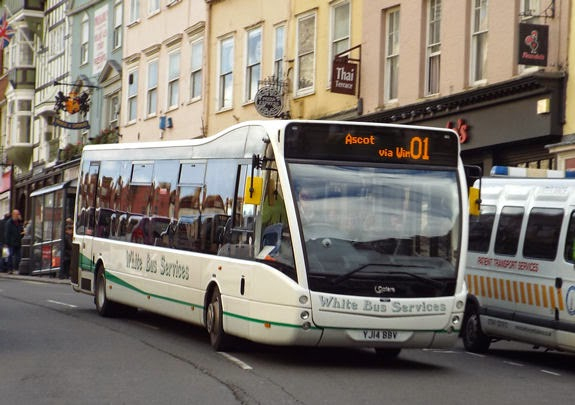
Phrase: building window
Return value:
(134, 10)
(113, 110)
(479, 40)
(529, 8)
(174, 79)
(132, 96)
(392, 55)
(340, 29)
(279, 50)
(19, 121)
(85, 39)
(117, 25)
(305, 61)
(226, 73)
(196, 69)
(254, 62)
(152, 96)
(153, 6)
(433, 57)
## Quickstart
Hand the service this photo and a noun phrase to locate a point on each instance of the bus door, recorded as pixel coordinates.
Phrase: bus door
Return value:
(86, 226)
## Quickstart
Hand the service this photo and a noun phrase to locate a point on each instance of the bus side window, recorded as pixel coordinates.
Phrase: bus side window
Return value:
(570, 240)
(508, 229)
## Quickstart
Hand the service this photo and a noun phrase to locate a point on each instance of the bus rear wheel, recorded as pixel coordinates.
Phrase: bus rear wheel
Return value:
(219, 339)
(103, 305)
(474, 339)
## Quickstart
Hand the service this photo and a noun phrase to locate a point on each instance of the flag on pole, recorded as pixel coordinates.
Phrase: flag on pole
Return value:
(6, 32)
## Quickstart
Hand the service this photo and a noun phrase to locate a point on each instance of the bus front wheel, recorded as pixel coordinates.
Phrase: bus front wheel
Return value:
(214, 322)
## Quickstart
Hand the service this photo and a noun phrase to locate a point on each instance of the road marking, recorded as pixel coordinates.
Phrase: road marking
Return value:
(62, 303)
(551, 372)
(475, 354)
(236, 361)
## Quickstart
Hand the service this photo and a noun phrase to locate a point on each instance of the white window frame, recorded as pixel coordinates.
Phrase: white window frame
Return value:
(196, 69)
(113, 109)
(134, 11)
(301, 89)
(173, 88)
(529, 9)
(253, 70)
(152, 88)
(132, 97)
(392, 32)
(117, 25)
(153, 7)
(225, 74)
(433, 48)
(279, 51)
(479, 33)
(335, 41)
(85, 40)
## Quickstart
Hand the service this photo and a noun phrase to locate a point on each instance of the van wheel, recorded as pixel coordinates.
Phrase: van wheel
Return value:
(219, 339)
(474, 339)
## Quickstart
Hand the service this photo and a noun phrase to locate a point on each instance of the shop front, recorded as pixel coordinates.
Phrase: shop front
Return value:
(51, 206)
(511, 123)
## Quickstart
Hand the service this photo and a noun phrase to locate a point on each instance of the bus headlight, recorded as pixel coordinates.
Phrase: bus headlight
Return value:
(306, 326)
(455, 320)
(303, 299)
(459, 304)
(304, 315)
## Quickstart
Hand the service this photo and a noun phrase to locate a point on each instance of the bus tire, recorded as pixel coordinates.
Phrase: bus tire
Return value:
(104, 306)
(474, 340)
(219, 340)
(387, 354)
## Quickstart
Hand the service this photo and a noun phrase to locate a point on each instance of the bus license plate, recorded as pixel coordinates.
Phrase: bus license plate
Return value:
(380, 335)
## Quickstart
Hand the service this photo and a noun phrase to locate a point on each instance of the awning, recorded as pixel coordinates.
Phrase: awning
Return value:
(55, 187)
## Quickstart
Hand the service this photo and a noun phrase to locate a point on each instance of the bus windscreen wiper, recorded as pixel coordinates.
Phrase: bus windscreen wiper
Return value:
(347, 275)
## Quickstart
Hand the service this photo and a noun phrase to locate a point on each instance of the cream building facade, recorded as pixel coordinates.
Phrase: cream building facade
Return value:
(163, 70)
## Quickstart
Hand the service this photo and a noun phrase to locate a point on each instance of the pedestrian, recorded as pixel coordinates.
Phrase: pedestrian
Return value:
(3, 247)
(66, 253)
(13, 233)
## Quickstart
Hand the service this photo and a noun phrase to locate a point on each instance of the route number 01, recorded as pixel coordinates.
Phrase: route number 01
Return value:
(419, 148)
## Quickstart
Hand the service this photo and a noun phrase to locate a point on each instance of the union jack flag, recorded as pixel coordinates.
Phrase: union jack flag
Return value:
(6, 32)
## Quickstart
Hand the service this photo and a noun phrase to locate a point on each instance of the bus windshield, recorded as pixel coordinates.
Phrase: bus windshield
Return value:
(364, 228)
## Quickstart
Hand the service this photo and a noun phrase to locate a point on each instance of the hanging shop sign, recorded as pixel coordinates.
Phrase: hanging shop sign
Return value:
(269, 101)
(343, 76)
(533, 43)
(76, 101)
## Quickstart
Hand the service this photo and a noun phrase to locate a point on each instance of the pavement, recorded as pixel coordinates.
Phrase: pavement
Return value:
(41, 279)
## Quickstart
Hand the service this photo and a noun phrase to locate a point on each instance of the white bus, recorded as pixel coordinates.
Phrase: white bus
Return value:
(289, 232)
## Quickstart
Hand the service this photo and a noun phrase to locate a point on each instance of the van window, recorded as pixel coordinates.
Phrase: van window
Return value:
(508, 229)
(542, 233)
(570, 240)
(480, 229)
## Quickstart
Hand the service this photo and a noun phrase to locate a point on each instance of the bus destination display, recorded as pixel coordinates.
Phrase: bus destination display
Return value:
(381, 145)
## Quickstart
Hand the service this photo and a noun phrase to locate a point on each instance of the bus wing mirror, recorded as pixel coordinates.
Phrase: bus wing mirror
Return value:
(253, 190)
(474, 201)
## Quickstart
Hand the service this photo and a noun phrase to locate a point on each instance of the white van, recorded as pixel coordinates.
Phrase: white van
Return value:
(520, 265)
